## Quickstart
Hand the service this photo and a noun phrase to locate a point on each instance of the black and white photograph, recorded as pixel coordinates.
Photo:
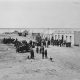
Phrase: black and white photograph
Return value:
(39, 39)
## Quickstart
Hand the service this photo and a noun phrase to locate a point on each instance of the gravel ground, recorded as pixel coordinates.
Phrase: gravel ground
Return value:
(16, 66)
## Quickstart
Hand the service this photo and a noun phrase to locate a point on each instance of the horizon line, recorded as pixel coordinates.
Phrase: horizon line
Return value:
(40, 28)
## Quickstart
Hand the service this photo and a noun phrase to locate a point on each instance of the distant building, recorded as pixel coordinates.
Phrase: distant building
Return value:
(25, 32)
(68, 33)
(15, 32)
(77, 38)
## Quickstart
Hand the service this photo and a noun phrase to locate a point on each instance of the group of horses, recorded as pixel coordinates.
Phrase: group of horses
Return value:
(21, 46)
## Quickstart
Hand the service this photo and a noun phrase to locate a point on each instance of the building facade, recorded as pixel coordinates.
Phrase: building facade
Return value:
(67, 33)
(77, 38)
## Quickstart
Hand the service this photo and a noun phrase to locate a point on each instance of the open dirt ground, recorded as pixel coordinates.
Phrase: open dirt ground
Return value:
(16, 66)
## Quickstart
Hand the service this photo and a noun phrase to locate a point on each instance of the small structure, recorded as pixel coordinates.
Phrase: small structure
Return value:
(15, 32)
(24, 33)
(77, 38)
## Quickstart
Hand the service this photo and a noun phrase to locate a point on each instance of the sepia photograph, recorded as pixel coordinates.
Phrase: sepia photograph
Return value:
(39, 39)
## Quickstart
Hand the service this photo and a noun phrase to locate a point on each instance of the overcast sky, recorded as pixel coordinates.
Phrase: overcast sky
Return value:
(39, 13)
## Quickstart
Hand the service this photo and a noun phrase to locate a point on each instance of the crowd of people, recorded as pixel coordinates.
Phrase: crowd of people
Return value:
(43, 44)
(42, 50)
(40, 44)
(60, 42)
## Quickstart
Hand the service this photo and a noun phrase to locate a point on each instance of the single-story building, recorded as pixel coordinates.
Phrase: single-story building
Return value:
(77, 38)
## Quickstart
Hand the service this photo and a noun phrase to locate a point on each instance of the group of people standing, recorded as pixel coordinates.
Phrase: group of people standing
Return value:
(39, 50)
(43, 44)
(60, 42)
(42, 51)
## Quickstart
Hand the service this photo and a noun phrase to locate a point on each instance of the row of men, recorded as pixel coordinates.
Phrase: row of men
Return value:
(58, 42)
(61, 43)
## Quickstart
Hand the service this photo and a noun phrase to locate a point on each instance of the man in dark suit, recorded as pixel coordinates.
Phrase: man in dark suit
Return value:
(32, 54)
(42, 54)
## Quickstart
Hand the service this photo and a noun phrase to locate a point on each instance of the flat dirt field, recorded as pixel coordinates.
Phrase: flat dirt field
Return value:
(16, 66)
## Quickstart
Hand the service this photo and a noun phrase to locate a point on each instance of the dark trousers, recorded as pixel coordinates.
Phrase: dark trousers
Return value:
(42, 55)
(45, 53)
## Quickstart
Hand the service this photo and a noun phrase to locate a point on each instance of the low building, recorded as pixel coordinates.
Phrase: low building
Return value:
(77, 38)
(25, 32)
(15, 32)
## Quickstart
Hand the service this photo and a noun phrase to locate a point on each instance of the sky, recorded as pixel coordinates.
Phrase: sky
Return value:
(39, 14)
